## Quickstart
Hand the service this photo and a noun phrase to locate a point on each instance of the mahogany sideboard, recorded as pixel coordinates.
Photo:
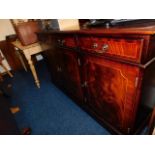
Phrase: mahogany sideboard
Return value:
(109, 72)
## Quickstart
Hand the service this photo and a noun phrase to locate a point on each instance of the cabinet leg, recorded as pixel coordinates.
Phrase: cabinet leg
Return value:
(151, 125)
(33, 71)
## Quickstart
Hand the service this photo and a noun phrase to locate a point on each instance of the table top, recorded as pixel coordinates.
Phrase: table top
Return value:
(18, 45)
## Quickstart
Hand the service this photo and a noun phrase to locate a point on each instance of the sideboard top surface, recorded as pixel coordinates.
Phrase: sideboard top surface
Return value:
(143, 30)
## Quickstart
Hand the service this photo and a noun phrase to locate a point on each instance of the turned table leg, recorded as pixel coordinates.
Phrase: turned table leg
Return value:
(21, 59)
(28, 57)
(3, 66)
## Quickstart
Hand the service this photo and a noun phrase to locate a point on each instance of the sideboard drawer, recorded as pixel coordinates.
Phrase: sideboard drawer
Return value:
(66, 41)
(128, 48)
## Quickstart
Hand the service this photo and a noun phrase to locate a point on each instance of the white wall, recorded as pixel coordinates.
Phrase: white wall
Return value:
(6, 28)
(68, 24)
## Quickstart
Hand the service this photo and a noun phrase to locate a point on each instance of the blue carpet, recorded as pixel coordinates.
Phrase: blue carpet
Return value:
(48, 110)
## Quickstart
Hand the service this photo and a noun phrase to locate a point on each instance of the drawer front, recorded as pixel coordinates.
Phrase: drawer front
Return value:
(127, 48)
(66, 41)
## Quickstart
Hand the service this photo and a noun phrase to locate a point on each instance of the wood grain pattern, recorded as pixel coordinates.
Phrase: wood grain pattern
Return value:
(66, 41)
(111, 90)
(128, 49)
(134, 48)
(112, 81)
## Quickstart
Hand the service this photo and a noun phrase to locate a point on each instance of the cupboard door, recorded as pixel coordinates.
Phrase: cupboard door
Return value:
(71, 75)
(53, 58)
(111, 89)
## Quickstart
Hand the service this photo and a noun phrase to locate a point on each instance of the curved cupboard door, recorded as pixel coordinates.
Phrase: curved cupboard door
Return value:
(71, 74)
(111, 88)
(54, 62)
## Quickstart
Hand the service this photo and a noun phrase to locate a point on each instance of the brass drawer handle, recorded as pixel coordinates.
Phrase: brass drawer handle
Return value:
(105, 47)
(95, 45)
(61, 42)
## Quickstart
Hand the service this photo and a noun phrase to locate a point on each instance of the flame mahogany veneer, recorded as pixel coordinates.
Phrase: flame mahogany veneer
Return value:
(108, 72)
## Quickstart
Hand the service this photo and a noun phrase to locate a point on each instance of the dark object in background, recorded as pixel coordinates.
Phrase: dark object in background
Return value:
(151, 126)
(99, 23)
(8, 124)
(54, 24)
(49, 24)
(10, 53)
(26, 32)
(11, 38)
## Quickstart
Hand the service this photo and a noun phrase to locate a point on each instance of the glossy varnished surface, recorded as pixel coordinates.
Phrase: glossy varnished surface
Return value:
(111, 89)
(134, 44)
(148, 29)
(105, 70)
(71, 74)
(125, 48)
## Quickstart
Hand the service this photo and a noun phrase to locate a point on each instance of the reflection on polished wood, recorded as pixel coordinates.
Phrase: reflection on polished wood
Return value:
(109, 72)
